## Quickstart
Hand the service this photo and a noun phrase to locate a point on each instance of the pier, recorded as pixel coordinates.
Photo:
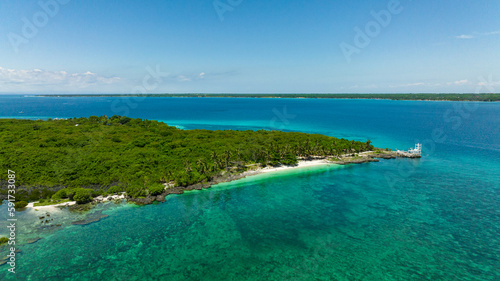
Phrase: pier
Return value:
(415, 152)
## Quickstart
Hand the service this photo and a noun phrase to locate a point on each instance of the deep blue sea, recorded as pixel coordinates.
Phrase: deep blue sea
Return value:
(434, 218)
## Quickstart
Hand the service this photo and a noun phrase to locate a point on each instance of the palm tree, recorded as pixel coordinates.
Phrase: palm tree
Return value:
(268, 155)
(228, 155)
(254, 155)
(299, 149)
(201, 165)
(214, 158)
(188, 168)
(315, 149)
(238, 153)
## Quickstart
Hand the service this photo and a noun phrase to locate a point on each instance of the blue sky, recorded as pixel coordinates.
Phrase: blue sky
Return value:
(242, 46)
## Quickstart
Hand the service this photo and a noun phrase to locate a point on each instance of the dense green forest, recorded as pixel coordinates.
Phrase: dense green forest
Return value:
(123, 154)
(434, 97)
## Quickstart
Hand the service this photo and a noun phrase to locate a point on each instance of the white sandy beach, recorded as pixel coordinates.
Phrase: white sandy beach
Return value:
(54, 207)
(301, 164)
(50, 208)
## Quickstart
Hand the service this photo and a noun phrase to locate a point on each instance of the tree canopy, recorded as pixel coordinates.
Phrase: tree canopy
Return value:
(101, 152)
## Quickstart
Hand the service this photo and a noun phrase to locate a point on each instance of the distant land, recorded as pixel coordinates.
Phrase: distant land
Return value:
(423, 97)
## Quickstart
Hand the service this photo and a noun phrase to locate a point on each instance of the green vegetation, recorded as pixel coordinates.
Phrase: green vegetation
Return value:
(63, 193)
(116, 189)
(136, 190)
(82, 196)
(3, 240)
(48, 202)
(81, 158)
(156, 189)
(20, 204)
(442, 97)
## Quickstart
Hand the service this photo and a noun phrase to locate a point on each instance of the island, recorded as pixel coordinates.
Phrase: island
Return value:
(483, 97)
(80, 160)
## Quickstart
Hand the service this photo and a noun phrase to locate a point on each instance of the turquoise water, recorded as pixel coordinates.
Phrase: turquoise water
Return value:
(437, 218)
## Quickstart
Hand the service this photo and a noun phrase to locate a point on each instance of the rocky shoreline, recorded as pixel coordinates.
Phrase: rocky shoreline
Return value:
(353, 158)
(364, 157)
(181, 189)
(370, 156)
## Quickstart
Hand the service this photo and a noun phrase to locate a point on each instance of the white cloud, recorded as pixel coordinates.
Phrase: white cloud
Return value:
(459, 82)
(190, 77)
(415, 84)
(407, 85)
(477, 34)
(464, 36)
(38, 77)
(487, 85)
(491, 33)
(183, 78)
(488, 82)
(354, 87)
(493, 83)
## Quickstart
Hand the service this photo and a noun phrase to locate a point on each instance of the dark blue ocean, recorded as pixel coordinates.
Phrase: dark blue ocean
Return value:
(434, 218)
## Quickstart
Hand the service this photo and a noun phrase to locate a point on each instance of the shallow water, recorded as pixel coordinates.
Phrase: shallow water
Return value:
(436, 218)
